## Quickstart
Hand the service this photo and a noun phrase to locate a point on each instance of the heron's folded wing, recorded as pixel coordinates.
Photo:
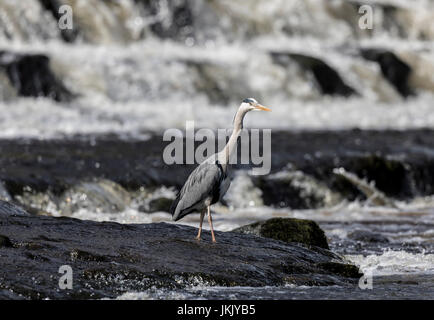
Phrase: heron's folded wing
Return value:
(203, 182)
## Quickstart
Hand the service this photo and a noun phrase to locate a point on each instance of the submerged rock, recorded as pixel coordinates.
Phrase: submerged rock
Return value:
(396, 71)
(329, 81)
(295, 189)
(31, 76)
(383, 173)
(153, 199)
(367, 236)
(288, 230)
(100, 195)
(157, 204)
(372, 194)
(109, 259)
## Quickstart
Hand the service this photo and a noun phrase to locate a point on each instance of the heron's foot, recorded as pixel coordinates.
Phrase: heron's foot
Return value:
(213, 240)
(197, 238)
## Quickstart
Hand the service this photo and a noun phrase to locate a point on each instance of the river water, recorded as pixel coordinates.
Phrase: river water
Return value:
(137, 69)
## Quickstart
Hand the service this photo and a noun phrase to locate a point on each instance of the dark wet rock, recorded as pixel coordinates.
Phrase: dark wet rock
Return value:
(288, 230)
(401, 163)
(328, 80)
(153, 199)
(157, 204)
(69, 35)
(100, 195)
(5, 242)
(31, 76)
(367, 236)
(294, 189)
(347, 270)
(58, 165)
(373, 195)
(389, 175)
(281, 194)
(396, 71)
(109, 259)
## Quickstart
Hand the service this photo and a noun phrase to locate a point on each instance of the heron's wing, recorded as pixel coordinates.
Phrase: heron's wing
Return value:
(202, 183)
(224, 186)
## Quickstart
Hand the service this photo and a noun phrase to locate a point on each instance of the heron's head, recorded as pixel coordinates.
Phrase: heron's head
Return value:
(250, 104)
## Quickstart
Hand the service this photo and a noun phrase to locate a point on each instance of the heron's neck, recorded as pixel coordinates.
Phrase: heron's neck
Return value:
(227, 151)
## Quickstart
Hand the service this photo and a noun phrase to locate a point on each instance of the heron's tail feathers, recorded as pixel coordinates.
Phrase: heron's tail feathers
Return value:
(173, 208)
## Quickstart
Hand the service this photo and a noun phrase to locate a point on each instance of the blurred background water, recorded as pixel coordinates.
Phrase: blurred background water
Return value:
(134, 68)
(139, 65)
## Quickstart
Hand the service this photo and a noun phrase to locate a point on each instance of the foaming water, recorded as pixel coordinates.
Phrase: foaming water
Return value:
(45, 119)
(393, 287)
(392, 262)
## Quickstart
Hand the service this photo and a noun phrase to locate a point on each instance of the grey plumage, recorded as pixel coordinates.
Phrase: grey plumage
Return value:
(206, 185)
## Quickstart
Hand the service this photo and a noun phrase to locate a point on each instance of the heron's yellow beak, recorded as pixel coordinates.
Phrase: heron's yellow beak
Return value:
(261, 107)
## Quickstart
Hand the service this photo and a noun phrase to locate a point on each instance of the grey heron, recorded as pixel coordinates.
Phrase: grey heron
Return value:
(209, 181)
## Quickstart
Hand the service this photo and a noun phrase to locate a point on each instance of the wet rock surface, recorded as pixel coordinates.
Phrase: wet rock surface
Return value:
(288, 230)
(109, 259)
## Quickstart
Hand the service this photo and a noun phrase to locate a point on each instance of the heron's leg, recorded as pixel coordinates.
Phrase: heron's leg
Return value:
(202, 214)
(210, 224)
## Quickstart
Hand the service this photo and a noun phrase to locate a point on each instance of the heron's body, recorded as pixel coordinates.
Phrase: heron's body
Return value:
(208, 183)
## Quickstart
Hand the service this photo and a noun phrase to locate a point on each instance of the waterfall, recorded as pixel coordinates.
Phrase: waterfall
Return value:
(133, 66)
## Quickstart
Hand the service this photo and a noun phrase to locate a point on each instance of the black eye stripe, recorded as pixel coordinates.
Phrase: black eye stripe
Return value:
(248, 100)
